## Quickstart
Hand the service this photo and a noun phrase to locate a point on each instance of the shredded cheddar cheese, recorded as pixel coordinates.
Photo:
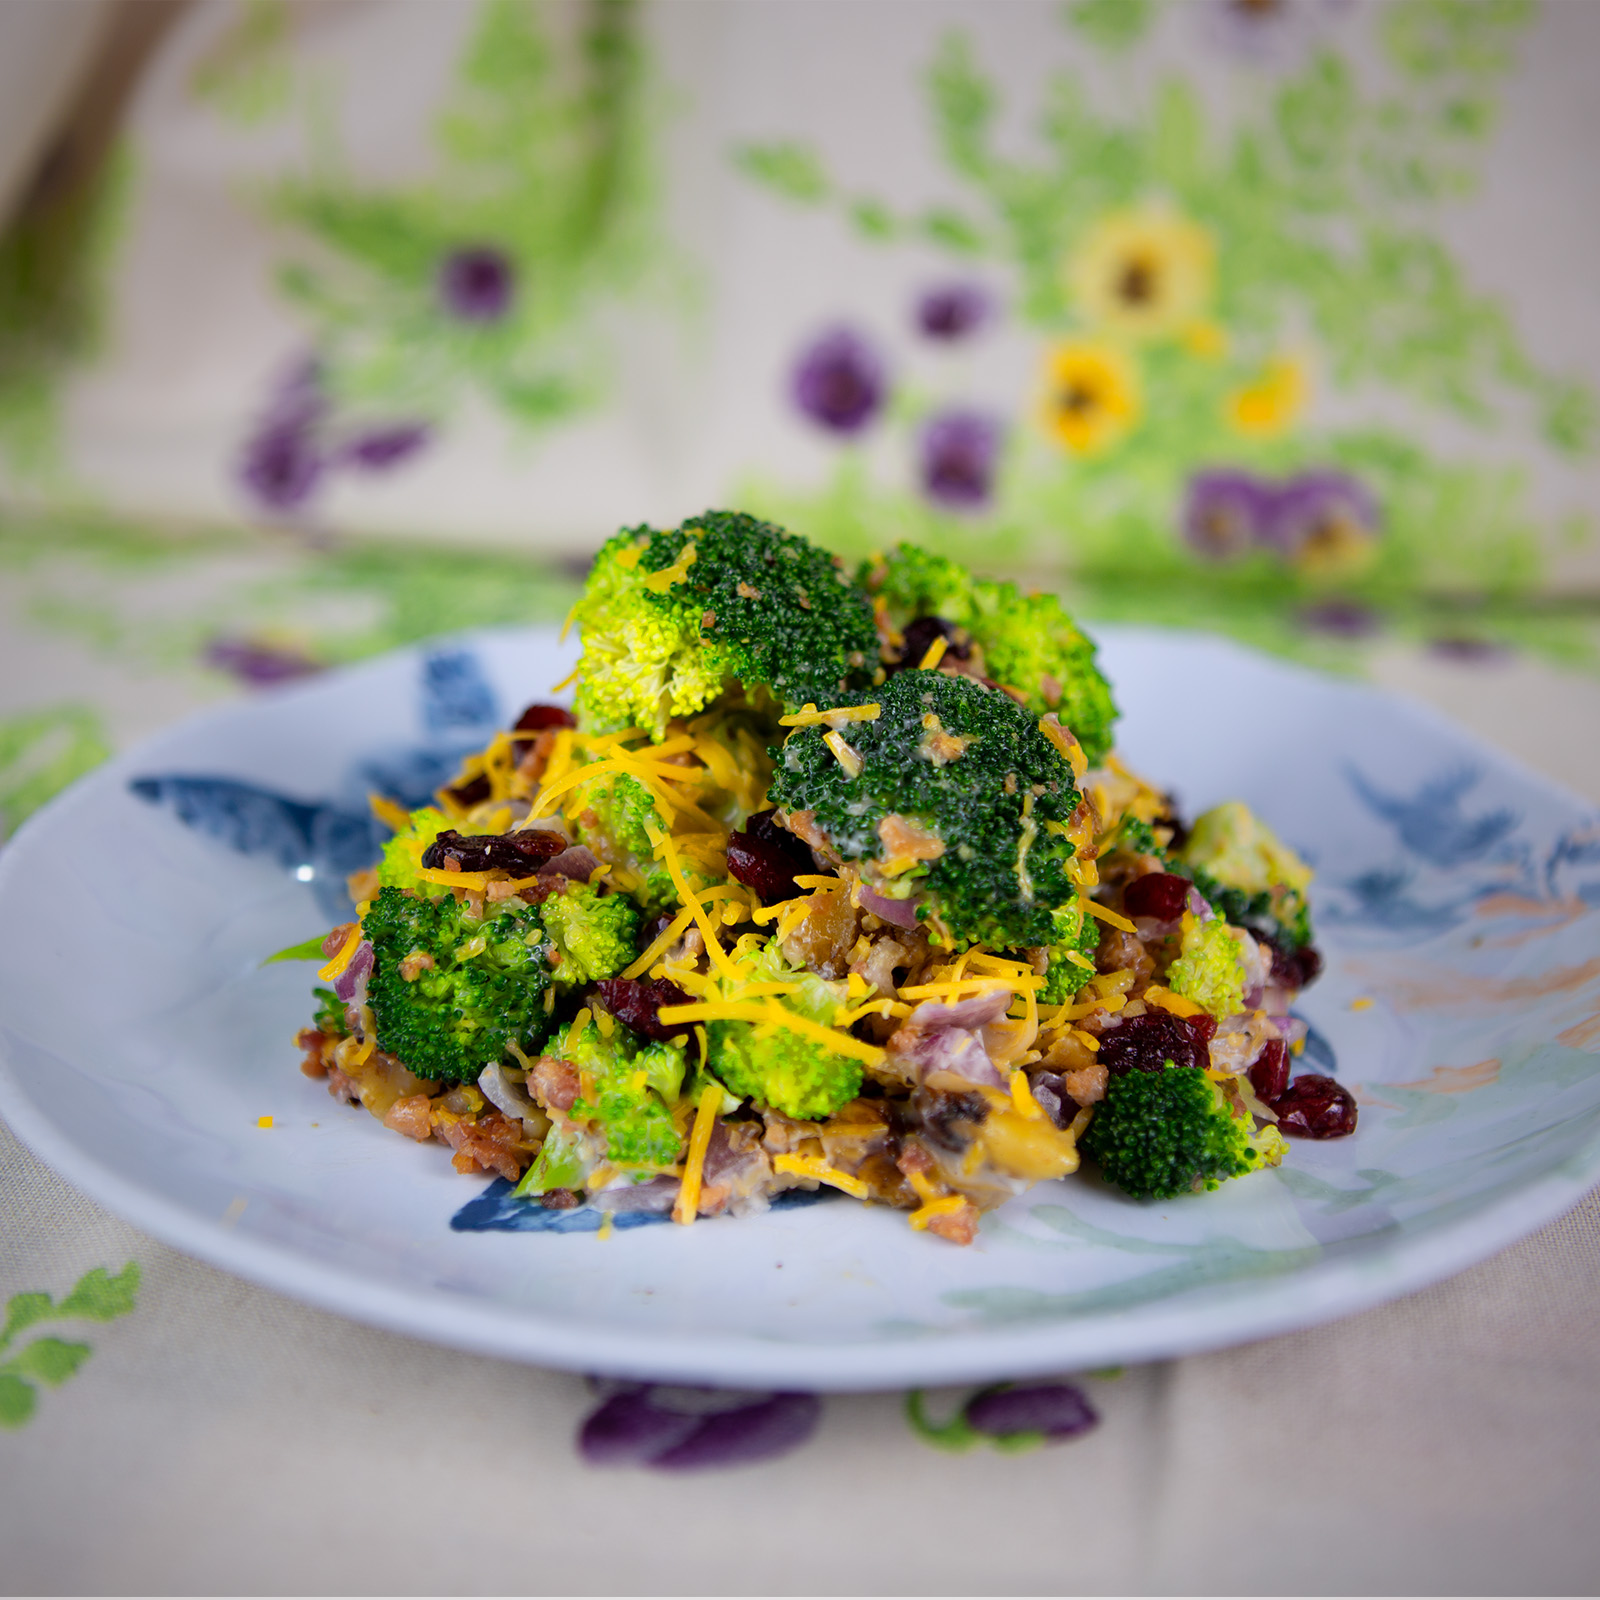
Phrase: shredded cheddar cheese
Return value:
(1113, 919)
(705, 1117)
(810, 1167)
(934, 654)
(344, 955)
(809, 716)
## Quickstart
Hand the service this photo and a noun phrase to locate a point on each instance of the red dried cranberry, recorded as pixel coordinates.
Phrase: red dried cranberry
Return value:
(637, 1003)
(471, 793)
(1157, 1040)
(919, 636)
(1269, 1074)
(765, 857)
(1315, 1107)
(1294, 969)
(1162, 895)
(539, 717)
(521, 854)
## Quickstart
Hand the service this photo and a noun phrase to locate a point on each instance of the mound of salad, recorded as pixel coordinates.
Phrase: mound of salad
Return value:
(826, 879)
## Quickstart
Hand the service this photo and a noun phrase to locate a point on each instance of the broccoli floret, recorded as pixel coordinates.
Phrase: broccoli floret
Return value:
(595, 933)
(955, 772)
(1248, 874)
(486, 984)
(329, 1015)
(1157, 1135)
(631, 1083)
(1210, 968)
(397, 868)
(1078, 932)
(1028, 641)
(668, 616)
(617, 810)
(776, 1066)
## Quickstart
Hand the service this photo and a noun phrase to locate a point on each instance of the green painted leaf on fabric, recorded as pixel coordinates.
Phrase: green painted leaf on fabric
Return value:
(1114, 25)
(41, 752)
(22, 1311)
(17, 1401)
(786, 168)
(48, 1360)
(100, 1297)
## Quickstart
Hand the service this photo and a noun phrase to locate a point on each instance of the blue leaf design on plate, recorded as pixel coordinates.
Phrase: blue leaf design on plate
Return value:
(494, 1211)
(1381, 897)
(327, 840)
(456, 694)
(1431, 823)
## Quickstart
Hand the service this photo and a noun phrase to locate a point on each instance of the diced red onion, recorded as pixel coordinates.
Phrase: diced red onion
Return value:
(902, 913)
(355, 974)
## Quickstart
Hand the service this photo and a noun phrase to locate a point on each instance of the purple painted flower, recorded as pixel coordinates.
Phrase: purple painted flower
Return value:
(1324, 522)
(1345, 619)
(1225, 513)
(1269, 33)
(477, 284)
(1465, 650)
(958, 451)
(256, 663)
(953, 310)
(378, 449)
(281, 466)
(675, 1429)
(839, 382)
(1057, 1411)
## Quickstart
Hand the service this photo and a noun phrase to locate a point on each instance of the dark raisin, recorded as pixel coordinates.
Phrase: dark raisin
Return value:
(1269, 1074)
(1157, 1040)
(1170, 820)
(1315, 1107)
(1162, 895)
(651, 929)
(920, 634)
(471, 793)
(637, 1003)
(1294, 969)
(521, 853)
(539, 717)
(765, 857)
(949, 1119)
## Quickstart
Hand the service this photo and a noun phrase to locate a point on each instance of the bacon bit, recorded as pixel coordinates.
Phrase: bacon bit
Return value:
(418, 962)
(805, 605)
(903, 837)
(803, 825)
(825, 936)
(311, 1041)
(747, 591)
(1086, 1085)
(1010, 785)
(490, 1143)
(343, 1087)
(363, 885)
(1050, 688)
(708, 622)
(553, 1083)
(559, 1200)
(959, 1227)
(537, 756)
(333, 942)
(410, 1117)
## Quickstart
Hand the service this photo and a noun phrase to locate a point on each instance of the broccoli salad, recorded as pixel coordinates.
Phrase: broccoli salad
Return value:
(827, 879)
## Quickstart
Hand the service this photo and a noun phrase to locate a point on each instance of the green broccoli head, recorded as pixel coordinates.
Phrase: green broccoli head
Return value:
(613, 823)
(1210, 968)
(777, 1066)
(667, 617)
(961, 775)
(1077, 933)
(1250, 876)
(397, 867)
(1028, 641)
(476, 985)
(1158, 1135)
(630, 1083)
(596, 934)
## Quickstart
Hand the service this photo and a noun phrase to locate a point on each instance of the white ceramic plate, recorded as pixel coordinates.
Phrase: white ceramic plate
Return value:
(1457, 893)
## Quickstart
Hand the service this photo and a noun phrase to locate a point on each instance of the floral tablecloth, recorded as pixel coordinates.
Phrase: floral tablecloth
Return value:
(165, 1427)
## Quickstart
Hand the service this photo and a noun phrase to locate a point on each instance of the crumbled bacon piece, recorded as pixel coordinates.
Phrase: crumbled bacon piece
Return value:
(959, 1227)
(490, 1143)
(553, 1083)
(410, 1116)
(311, 1040)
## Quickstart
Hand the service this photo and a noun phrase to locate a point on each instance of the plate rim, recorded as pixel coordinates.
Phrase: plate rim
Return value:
(1324, 1291)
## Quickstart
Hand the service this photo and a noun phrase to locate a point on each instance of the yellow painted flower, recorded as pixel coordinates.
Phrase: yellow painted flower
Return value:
(1091, 396)
(1142, 274)
(1206, 340)
(1271, 404)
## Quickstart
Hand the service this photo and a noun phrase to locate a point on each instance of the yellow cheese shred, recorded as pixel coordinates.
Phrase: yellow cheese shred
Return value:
(662, 943)
(1177, 1004)
(344, 956)
(705, 1116)
(810, 1167)
(392, 816)
(810, 715)
(663, 845)
(1114, 918)
(934, 654)
(1022, 1096)
(770, 1013)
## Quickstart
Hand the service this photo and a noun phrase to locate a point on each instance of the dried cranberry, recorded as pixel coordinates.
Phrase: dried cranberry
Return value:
(637, 1003)
(1269, 1074)
(1162, 895)
(471, 793)
(521, 854)
(1294, 969)
(538, 717)
(919, 636)
(1315, 1107)
(765, 857)
(1157, 1040)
